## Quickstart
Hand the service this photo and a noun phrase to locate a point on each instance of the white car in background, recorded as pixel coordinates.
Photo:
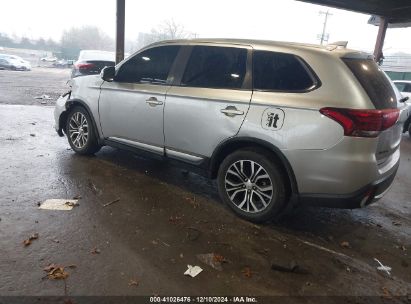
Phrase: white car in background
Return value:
(49, 59)
(404, 86)
(16, 62)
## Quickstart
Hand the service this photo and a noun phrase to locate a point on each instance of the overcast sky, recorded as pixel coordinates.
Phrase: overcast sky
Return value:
(285, 20)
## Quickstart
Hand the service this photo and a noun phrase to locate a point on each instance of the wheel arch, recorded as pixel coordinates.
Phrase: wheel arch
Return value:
(78, 102)
(229, 146)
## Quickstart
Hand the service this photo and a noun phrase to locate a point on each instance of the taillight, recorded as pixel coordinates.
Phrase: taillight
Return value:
(362, 123)
(84, 66)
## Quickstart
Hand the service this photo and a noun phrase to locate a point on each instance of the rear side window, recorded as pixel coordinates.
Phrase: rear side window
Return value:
(281, 72)
(374, 81)
(215, 67)
(150, 66)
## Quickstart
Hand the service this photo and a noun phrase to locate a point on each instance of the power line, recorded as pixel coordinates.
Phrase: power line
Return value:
(324, 36)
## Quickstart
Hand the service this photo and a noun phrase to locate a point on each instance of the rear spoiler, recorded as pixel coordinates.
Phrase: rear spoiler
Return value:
(347, 53)
(337, 44)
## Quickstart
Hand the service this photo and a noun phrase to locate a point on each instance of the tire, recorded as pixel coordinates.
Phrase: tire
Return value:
(80, 132)
(409, 129)
(246, 199)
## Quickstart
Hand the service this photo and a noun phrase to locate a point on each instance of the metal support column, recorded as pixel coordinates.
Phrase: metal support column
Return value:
(380, 39)
(120, 29)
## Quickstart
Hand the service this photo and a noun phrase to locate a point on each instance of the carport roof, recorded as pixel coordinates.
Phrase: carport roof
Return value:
(396, 11)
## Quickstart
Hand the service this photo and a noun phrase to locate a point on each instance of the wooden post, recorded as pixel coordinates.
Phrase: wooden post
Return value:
(380, 39)
(120, 29)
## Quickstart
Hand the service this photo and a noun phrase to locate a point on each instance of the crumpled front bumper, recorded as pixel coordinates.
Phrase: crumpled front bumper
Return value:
(59, 110)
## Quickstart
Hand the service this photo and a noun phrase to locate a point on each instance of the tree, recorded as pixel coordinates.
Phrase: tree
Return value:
(167, 30)
(25, 43)
(87, 37)
(5, 40)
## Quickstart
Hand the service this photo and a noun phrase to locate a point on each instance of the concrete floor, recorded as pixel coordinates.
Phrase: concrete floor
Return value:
(164, 218)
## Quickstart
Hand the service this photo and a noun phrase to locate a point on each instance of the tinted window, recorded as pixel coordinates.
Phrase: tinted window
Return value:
(374, 81)
(280, 72)
(407, 88)
(215, 67)
(150, 66)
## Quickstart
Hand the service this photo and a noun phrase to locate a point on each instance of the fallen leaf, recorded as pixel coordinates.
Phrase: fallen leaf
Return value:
(55, 272)
(95, 251)
(175, 219)
(247, 272)
(133, 283)
(345, 244)
(49, 267)
(386, 293)
(31, 238)
(219, 258)
(72, 266)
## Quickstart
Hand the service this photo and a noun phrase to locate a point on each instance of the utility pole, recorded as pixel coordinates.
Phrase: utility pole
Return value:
(324, 36)
(120, 29)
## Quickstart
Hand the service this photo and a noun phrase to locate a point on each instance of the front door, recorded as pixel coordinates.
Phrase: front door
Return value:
(131, 107)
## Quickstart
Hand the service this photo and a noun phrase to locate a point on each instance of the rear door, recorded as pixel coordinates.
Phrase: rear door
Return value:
(384, 95)
(209, 102)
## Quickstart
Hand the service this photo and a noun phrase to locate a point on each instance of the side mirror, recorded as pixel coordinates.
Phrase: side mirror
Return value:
(108, 73)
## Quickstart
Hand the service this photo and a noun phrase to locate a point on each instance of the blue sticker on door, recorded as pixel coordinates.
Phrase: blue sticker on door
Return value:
(273, 119)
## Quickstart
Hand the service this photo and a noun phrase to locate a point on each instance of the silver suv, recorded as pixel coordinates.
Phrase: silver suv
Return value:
(276, 123)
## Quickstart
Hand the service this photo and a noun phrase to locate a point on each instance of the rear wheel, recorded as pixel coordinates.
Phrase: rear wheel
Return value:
(80, 132)
(252, 185)
(409, 129)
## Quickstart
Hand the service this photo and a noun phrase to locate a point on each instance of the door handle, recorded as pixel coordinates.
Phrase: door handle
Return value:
(153, 101)
(232, 111)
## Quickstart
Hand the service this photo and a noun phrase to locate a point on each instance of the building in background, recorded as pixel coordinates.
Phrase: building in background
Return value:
(398, 66)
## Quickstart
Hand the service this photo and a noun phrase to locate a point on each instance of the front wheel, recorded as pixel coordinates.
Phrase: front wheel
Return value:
(80, 132)
(252, 185)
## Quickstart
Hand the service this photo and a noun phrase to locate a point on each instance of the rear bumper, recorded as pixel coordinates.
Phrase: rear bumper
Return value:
(358, 199)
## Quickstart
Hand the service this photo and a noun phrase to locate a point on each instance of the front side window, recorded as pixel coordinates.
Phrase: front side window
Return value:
(216, 67)
(150, 66)
(280, 72)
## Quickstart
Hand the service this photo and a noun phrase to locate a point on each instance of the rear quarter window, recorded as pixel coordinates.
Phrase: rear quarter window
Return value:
(375, 82)
(282, 72)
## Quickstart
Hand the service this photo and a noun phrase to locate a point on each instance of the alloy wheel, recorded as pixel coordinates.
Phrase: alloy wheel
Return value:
(248, 186)
(78, 130)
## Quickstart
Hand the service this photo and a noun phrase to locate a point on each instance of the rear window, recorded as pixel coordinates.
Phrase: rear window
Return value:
(374, 81)
(281, 72)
